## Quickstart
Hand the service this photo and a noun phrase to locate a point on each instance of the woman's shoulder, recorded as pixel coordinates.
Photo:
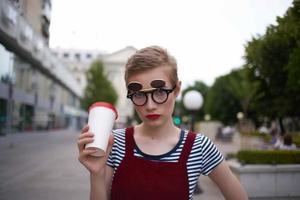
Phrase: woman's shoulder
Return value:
(199, 137)
(201, 141)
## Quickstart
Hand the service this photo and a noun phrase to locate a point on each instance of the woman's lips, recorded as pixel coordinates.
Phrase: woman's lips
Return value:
(153, 116)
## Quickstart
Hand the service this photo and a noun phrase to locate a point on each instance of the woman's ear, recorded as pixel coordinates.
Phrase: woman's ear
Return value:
(178, 88)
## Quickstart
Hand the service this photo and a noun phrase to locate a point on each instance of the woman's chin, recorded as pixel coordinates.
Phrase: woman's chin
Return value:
(154, 123)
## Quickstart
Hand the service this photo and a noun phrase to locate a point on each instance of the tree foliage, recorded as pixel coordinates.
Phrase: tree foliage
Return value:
(268, 85)
(244, 90)
(98, 88)
(221, 104)
(230, 94)
(275, 59)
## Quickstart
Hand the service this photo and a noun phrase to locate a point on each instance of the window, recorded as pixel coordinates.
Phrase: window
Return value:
(66, 55)
(6, 65)
(77, 56)
(88, 56)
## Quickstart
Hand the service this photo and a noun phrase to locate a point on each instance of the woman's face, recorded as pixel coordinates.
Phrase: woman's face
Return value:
(153, 113)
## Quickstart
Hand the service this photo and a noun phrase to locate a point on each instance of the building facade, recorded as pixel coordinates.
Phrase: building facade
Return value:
(79, 62)
(37, 13)
(37, 91)
(114, 65)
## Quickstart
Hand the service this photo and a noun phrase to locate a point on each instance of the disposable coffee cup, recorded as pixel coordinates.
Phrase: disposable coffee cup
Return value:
(102, 116)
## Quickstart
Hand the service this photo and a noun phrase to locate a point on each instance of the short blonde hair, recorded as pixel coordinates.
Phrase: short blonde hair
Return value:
(149, 58)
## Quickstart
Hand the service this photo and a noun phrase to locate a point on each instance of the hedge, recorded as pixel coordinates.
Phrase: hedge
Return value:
(268, 157)
(296, 139)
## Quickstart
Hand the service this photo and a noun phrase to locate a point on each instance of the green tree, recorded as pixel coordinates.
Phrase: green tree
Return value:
(240, 86)
(98, 88)
(221, 103)
(274, 59)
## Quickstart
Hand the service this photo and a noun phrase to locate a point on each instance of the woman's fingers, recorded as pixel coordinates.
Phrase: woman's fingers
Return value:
(86, 152)
(87, 137)
(82, 142)
(85, 129)
(85, 134)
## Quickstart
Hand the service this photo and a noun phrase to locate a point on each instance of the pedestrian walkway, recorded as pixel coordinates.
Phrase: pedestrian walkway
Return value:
(44, 165)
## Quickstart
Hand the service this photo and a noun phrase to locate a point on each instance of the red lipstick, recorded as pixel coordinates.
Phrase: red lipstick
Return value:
(153, 116)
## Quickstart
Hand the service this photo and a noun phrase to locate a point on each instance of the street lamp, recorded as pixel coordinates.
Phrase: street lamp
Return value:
(10, 99)
(193, 101)
(240, 117)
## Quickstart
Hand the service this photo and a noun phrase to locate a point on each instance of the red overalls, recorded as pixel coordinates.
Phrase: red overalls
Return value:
(137, 178)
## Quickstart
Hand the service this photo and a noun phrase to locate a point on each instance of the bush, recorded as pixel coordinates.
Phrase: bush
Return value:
(266, 137)
(268, 157)
(296, 139)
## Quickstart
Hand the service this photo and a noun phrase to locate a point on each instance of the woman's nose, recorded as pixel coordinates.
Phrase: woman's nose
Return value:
(150, 103)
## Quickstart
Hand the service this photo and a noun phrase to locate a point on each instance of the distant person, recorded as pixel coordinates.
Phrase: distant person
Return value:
(287, 143)
(274, 132)
(225, 133)
(263, 130)
(219, 132)
(155, 160)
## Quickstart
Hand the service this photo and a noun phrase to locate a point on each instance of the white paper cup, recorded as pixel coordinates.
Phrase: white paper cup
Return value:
(102, 116)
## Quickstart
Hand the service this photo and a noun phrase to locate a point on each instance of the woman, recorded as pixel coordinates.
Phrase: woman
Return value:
(155, 159)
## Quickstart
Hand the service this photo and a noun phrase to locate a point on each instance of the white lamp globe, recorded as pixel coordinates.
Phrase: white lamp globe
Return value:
(193, 100)
(240, 115)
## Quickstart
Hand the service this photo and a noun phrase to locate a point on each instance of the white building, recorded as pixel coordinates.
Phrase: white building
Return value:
(79, 62)
(114, 64)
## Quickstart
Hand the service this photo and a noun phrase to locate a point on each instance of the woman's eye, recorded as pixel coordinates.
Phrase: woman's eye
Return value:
(160, 92)
(138, 95)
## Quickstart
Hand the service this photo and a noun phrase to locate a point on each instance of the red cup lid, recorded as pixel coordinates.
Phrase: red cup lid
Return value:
(104, 104)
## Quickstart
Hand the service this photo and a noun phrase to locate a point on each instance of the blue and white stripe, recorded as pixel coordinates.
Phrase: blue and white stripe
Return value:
(203, 159)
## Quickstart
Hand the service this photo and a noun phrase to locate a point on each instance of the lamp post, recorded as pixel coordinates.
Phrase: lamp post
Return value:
(193, 101)
(10, 99)
(243, 139)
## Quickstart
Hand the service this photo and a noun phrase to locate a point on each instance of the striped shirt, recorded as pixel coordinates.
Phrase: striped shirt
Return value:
(204, 156)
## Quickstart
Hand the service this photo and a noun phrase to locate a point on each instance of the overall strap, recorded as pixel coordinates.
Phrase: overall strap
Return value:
(186, 150)
(129, 141)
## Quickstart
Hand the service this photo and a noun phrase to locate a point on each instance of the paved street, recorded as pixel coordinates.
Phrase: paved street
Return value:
(36, 166)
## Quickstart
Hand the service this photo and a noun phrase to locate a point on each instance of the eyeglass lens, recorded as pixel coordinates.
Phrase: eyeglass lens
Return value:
(157, 95)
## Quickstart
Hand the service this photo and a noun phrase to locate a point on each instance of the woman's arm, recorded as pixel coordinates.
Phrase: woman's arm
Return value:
(100, 185)
(228, 183)
(100, 172)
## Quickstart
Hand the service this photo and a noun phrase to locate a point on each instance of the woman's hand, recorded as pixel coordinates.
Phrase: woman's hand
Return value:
(96, 165)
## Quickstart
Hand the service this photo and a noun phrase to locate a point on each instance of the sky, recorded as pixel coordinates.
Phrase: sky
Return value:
(207, 37)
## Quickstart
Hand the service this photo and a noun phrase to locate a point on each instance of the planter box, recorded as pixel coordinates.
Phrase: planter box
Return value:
(266, 182)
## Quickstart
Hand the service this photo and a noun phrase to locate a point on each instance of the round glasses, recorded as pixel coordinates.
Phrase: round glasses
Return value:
(158, 95)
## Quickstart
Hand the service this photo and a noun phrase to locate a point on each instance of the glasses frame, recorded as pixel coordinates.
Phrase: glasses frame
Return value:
(168, 91)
